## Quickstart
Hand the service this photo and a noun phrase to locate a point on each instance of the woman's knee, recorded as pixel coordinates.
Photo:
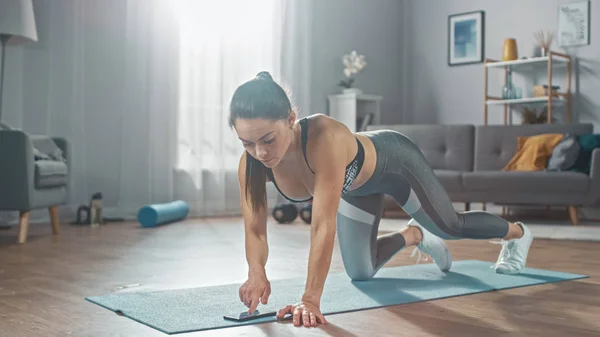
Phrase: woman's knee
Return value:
(360, 274)
(357, 260)
(357, 225)
(357, 256)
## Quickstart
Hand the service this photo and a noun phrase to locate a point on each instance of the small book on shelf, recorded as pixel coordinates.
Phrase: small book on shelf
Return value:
(364, 122)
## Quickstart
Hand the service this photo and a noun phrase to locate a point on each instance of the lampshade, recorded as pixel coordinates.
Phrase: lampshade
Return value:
(17, 21)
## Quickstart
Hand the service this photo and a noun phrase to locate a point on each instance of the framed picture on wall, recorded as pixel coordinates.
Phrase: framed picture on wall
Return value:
(466, 38)
(574, 24)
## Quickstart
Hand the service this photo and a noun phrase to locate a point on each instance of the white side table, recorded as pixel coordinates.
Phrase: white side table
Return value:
(350, 109)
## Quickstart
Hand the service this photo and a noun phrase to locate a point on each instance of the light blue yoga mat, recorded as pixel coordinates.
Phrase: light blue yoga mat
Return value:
(196, 309)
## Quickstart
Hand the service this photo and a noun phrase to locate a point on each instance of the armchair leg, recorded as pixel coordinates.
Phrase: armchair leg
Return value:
(574, 215)
(54, 220)
(23, 226)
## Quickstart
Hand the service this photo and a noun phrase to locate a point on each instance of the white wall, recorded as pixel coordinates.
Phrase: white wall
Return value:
(371, 27)
(438, 93)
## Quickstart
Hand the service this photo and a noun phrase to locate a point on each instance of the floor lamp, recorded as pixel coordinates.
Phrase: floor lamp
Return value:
(17, 26)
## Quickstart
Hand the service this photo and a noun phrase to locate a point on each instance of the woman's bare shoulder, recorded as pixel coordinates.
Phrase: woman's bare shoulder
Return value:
(320, 124)
(326, 133)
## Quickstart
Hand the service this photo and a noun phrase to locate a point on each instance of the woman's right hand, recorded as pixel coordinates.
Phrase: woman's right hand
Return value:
(256, 289)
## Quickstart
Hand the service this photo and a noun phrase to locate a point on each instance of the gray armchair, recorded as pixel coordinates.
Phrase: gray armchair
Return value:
(34, 174)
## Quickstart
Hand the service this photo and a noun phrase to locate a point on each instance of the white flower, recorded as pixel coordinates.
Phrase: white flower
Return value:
(353, 63)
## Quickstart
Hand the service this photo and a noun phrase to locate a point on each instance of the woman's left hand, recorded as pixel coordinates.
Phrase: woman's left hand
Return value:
(303, 313)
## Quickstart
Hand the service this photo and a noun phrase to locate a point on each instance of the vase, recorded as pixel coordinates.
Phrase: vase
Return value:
(352, 91)
(508, 91)
(509, 50)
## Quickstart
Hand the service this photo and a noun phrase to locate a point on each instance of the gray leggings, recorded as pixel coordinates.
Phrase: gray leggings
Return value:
(402, 172)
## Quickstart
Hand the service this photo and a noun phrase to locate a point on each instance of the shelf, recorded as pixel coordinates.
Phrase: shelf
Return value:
(526, 66)
(527, 100)
(526, 62)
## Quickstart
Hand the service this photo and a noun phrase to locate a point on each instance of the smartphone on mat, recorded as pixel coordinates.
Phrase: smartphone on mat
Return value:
(246, 316)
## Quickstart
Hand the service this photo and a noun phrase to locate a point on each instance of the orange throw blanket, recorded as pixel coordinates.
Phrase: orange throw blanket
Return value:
(533, 152)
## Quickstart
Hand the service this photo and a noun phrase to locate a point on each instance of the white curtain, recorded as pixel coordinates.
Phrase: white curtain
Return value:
(149, 111)
(296, 52)
(220, 48)
(141, 89)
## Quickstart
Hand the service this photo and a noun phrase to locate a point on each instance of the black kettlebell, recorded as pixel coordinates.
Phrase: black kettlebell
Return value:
(306, 213)
(285, 213)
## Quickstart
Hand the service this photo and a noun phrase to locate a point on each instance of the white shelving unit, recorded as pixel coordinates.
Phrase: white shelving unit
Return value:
(549, 63)
(528, 62)
(543, 99)
(351, 108)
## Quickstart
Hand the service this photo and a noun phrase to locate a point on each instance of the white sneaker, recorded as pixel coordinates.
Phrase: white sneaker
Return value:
(432, 246)
(513, 255)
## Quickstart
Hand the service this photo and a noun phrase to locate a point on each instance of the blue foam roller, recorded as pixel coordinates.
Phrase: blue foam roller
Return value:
(158, 214)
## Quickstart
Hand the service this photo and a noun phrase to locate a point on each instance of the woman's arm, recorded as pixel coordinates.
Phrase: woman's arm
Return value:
(257, 288)
(329, 164)
(255, 226)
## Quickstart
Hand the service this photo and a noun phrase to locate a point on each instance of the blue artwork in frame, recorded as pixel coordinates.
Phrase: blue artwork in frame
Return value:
(466, 38)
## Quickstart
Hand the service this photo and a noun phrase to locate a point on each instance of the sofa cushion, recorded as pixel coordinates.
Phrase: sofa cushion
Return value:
(451, 180)
(564, 154)
(495, 145)
(587, 144)
(46, 149)
(520, 181)
(446, 147)
(50, 173)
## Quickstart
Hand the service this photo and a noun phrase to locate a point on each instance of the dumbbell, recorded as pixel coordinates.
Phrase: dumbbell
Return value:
(285, 213)
(306, 213)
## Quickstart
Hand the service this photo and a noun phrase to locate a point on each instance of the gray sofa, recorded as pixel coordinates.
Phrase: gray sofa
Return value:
(468, 160)
(34, 174)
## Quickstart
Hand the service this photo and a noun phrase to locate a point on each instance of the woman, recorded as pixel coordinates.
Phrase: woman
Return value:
(346, 175)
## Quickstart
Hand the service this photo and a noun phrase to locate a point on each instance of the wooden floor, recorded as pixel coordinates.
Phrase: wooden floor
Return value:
(43, 283)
